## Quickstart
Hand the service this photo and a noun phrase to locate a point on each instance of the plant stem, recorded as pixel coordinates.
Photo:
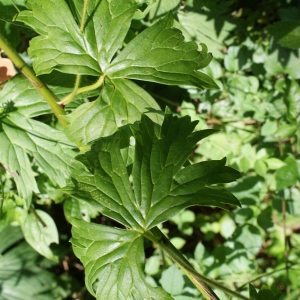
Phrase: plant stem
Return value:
(42, 88)
(32, 210)
(286, 254)
(201, 282)
(1, 197)
(70, 97)
(16, 7)
(83, 16)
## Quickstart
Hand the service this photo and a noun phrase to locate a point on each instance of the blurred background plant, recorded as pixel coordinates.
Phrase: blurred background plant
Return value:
(256, 64)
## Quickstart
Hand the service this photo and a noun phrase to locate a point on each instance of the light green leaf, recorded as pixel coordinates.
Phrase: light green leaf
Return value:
(285, 131)
(236, 59)
(160, 8)
(160, 186)
(39, 236)
(172, 280)
(113, 259)
(121, 102)
(287, 175)
(200, 28)
(32, 281)
(62, 46)
(78, 209)
(287, 33)
(249, 236)
(159, 54)
(274, 163)
(260, 167)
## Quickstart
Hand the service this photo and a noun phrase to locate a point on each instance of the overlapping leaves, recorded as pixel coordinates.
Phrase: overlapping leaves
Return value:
(21, 136)
(158, 54)
(160, 188)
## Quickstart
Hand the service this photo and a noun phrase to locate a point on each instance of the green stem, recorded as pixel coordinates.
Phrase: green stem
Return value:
(2, 197)
(266, 274)
(83, 16)
(70, 97)
(32, 210)
(49, 96)
(16, 7)
(201, 282)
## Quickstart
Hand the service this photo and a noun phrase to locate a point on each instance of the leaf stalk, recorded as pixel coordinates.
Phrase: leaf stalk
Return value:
(201, 282)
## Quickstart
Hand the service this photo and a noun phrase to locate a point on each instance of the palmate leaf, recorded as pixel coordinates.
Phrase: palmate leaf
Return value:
(157, 188)
(159, 54)
(21, 136)
(113, 260)
(61, 45)
(161, 187)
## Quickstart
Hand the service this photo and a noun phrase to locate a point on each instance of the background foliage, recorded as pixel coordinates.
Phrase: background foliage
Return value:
(255, 45)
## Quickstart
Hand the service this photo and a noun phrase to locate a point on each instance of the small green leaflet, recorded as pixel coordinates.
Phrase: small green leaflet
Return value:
(158, 54)
(113, 260)
(160, 187)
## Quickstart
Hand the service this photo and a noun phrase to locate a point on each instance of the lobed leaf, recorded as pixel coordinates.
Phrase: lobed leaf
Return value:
(160, 187)
(62, 46)
(159, 54)
(113, 259)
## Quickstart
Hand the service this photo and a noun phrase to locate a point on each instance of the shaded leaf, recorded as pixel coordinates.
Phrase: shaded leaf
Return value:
(287, 33)
(21, 136)
(39, 235)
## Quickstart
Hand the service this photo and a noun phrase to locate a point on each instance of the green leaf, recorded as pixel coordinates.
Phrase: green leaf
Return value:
(274, 163)
(159, 54)
(172, 280)
(285, 131)
(201, 28)
(21, 136)
(113, 259)
(249, 236)
(287, 175)
(31, 282)
(161, 8)
(40, 235)
(287, 33)
(260, 167)
(252, 292)
(61, 45)
(121, 102)
(160, 186)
